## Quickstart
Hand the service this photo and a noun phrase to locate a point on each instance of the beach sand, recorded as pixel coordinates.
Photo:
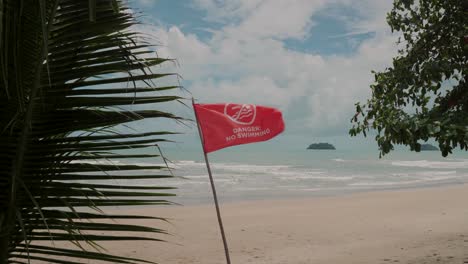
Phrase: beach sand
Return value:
(405, 226)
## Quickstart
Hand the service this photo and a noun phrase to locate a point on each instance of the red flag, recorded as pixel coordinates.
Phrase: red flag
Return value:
(225, 125)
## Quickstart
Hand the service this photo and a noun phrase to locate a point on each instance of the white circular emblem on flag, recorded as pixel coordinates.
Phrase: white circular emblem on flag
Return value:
(243, 114)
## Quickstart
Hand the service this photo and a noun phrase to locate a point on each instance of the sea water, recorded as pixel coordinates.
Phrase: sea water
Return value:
(247, 173)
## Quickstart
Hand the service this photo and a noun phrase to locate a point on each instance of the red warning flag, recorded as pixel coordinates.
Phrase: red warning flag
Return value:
(225, 125)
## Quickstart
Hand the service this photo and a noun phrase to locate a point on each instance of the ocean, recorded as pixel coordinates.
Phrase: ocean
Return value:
(244, 173)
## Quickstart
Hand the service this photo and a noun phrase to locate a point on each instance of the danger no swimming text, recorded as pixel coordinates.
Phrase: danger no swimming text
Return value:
(247, 132)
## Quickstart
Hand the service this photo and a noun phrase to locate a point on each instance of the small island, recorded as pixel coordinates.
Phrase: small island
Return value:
(321, 146)
(428, 147)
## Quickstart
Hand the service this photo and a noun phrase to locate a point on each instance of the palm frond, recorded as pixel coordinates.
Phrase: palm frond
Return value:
(71, 72)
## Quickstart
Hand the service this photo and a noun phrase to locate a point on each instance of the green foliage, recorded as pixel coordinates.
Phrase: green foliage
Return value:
(424, 94)
(70, 72)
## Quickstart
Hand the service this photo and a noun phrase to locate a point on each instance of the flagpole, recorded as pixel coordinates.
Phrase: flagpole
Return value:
(213, 189)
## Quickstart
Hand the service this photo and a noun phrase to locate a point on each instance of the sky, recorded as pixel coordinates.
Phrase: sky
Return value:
(312, 59)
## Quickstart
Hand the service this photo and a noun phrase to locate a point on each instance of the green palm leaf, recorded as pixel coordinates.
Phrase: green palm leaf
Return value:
(71, 71)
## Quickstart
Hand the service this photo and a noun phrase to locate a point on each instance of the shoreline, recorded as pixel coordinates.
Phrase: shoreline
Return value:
(417, 225)
(301, 195)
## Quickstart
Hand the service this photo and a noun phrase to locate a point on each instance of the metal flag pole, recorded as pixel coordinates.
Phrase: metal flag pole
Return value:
(218, 213)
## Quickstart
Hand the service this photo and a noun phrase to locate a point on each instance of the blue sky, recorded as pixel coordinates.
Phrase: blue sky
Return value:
(310, 58)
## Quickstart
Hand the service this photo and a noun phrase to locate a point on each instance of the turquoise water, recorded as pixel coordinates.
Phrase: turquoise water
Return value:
(244, 173)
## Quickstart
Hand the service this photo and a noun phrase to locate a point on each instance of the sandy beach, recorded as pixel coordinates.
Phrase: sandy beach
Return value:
(406, 226)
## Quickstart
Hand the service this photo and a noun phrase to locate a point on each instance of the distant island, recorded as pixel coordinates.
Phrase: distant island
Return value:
(321, 146)
(428, 147)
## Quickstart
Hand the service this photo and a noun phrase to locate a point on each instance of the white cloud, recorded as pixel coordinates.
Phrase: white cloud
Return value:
(346, 80)
(147, 2)
(220, 10)
(247, 60)
(250, 89)
(278, 19)
(367, 15)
